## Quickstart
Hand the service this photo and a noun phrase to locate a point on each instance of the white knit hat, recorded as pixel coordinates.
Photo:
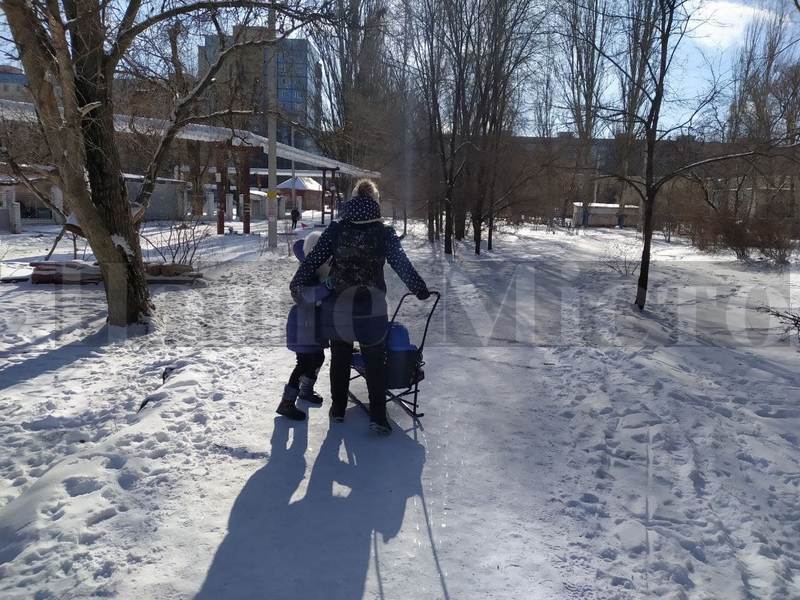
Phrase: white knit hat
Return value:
(308, 245)
(367, 188)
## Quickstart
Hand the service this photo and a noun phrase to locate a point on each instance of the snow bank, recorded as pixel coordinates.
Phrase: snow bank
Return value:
(82, 519)
(572, 448)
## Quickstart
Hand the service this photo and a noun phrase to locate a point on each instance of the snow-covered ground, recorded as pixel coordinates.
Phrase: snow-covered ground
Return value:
(571, 447)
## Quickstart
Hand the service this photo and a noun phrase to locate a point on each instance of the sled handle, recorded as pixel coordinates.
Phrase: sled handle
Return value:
(430, 314)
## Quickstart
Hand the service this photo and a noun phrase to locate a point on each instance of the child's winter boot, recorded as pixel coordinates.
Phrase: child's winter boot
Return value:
(307, 392)
(287, 407)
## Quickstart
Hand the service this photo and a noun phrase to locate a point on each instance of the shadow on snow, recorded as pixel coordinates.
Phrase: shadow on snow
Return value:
(317, 546)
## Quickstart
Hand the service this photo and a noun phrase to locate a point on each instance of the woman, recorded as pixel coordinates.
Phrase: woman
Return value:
(359, 244)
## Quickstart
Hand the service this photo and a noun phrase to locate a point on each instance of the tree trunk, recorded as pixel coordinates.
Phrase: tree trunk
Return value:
(196, 177)
(438, 221)
(198, 198)
(476, 233)
(431, 222)
(460, 220)
(491, 230)
(105, 218)
(120, 255)
(647, 234)
(448, 223)
(625, 169)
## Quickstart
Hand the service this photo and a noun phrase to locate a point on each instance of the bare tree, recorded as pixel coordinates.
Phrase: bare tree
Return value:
(636, 47)
(753, 112)
(504, 47)
(543, 89)
(355, 78)
(662, 26)
(442, 30)
(754, 200)
(70, 52)
(470, 58)
(586, 30)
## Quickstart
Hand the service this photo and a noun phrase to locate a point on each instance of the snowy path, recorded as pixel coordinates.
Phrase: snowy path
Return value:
(571, 449)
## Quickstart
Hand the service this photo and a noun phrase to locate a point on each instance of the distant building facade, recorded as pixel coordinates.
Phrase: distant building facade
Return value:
(243, 82)
(14, 84)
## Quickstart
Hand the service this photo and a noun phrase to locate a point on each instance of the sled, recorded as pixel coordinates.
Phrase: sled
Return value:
(404, 362)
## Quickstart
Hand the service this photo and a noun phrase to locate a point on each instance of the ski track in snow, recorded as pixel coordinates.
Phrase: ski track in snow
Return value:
(619, 456)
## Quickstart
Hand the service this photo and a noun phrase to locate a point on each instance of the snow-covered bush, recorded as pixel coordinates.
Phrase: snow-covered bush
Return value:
(701, 230)
(790, 321)
(178, 242)
(774, 241)
(734, 234)
(773, 238)
(623, 259)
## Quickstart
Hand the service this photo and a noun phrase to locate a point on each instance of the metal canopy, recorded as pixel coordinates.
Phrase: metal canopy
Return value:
(25, 112)
(301, 184)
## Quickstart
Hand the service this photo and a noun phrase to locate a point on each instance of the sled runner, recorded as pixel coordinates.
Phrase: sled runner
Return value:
(404, 363)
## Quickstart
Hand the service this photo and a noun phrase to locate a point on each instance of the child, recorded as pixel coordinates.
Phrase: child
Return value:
(303, 338)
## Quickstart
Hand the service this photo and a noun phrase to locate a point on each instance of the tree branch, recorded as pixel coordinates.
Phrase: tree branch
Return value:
(16, 169)
(127, 34)
(181, 115)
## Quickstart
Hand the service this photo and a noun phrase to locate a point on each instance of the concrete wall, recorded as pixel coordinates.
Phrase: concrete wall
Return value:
(14, 217)
(604, 215)
(31, 207)
(168, 203)
(10, 209)
(7, 194)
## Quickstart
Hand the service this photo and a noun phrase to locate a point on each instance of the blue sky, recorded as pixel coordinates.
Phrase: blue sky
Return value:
(717, 34)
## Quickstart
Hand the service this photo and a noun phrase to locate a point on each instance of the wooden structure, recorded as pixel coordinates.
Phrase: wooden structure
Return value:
(80, 272)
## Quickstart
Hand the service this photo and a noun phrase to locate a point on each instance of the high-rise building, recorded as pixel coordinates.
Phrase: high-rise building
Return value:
(242, 82)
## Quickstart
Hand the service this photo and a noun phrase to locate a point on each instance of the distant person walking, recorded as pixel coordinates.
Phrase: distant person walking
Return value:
(295, 217)
(360, 244)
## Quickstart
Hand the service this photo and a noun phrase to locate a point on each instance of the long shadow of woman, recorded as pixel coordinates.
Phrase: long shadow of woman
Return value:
(317, 547)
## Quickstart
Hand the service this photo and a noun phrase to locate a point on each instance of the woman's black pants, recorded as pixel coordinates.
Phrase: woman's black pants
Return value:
(341, 354)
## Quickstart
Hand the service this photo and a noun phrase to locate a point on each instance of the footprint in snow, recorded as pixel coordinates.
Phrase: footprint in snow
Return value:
(100, 516)
(80, 486)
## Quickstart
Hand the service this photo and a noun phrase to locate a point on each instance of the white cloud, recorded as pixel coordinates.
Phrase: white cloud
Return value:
(720, 24)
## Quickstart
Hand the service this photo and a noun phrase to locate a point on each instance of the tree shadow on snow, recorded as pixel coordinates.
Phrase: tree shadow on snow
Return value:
(318, 546)
(53, 359)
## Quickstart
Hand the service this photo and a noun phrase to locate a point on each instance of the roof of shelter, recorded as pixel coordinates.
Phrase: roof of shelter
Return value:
(26, 112)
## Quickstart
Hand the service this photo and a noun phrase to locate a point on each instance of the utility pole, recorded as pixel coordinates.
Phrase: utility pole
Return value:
(272, 131)
(294, 179)
(244, 188)
(221, 177)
